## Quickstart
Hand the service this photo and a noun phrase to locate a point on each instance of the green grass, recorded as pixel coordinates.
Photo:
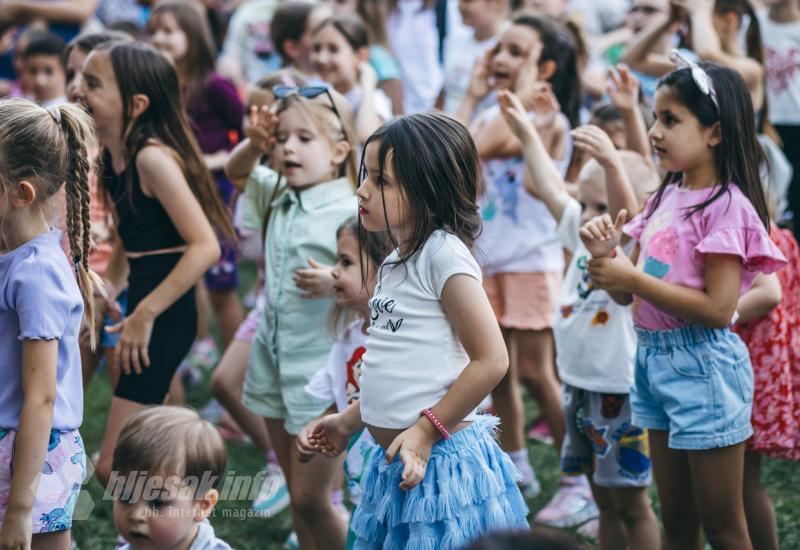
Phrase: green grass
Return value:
(234, 525)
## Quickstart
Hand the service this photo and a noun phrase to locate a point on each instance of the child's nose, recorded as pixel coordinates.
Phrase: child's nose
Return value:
(137, 512)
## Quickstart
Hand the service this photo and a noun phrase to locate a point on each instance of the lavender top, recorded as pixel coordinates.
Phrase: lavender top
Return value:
(40, 300)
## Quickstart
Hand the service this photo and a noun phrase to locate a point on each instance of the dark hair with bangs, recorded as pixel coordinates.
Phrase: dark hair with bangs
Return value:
(435, 162)
(738, 155)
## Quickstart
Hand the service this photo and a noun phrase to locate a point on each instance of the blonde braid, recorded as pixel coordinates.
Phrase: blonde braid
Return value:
(77, 128)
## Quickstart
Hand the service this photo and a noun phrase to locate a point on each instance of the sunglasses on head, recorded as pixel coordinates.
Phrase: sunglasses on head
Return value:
(310, 92)
(645, 10)
(700, 76)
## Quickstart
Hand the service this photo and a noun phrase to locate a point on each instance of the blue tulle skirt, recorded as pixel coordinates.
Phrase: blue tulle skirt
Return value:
(470, 489)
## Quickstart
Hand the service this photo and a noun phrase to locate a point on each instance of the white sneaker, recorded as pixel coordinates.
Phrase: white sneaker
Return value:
(273, 497)
(571, 506)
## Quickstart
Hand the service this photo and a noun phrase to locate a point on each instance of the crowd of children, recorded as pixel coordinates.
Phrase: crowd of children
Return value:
(453, 207)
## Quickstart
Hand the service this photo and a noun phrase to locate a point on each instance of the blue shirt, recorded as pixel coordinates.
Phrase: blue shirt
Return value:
(40, 300)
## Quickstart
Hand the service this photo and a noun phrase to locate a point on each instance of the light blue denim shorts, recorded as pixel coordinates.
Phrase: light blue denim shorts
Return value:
(696, 383)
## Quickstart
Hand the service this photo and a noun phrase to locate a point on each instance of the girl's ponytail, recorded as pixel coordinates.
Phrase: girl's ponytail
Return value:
(78, 132)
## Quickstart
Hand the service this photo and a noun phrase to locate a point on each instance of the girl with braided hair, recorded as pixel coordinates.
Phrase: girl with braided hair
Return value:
(44, 296)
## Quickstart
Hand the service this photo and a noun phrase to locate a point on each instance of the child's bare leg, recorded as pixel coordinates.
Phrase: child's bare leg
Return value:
(612, 531)
(758, 507)
(57, 540)
(632, 507)
(717, 477)
(678, 508)
(229, 312)
(537, 373)
(507, 403)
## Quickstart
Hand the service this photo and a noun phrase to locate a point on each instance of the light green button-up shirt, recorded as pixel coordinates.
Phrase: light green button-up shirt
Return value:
(301, 225)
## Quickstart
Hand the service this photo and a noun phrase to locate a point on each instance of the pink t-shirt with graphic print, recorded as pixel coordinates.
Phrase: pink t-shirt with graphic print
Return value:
(673, 246)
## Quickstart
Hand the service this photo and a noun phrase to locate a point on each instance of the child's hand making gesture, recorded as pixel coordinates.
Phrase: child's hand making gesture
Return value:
(601, 235)
(596, 143)
(260, 127)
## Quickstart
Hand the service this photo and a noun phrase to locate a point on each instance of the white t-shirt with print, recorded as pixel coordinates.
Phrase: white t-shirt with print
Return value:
(782, 61)
(519, 233)
(413, 354)
(595, 338)
(338, 381)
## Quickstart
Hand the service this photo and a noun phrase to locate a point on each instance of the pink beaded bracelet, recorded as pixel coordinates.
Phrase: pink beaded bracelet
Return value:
(427, 413)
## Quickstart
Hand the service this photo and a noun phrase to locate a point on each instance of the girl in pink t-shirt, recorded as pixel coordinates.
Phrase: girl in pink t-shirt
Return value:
(700, 242)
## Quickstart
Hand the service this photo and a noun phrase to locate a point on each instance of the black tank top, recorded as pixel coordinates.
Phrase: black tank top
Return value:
(142, 223)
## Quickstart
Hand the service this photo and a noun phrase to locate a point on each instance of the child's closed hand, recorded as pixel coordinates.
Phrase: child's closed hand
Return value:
(131, 351)
(600, 235)
(367, 76)
(260, 127)
(329, 435)
(623, 88)
(305, 450)
(414, 448)
(16, 532)
(611, 274)
(596, 143)
(514, 114)
(315, 282)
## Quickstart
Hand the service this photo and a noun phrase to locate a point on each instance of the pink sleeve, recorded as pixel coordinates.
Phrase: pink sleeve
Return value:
(735, 228)
(752, 245)
(635, 227)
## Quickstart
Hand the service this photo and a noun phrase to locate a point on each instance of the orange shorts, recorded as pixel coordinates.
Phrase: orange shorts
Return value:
(524, 301)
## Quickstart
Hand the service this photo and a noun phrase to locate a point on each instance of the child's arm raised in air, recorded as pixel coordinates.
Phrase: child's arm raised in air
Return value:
(763, 297)
(596, 143)
(542, 179)
(469, 312)
(260, 131)
(39, 364)
(162, 178)
(639, 54)
(366, 118)
(623, 89)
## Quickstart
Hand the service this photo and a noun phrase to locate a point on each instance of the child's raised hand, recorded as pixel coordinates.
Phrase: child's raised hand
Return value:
(414, 448)
(623, 88)
(367, 76)
(329, 435)
(600, 235)
(260, 127)
(515, 115)
(596, 143)
(315, 282)
(479, 80)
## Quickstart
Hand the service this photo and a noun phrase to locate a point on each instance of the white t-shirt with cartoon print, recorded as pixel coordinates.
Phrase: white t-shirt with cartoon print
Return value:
(413, 354)
(595, 338)
(338, 380)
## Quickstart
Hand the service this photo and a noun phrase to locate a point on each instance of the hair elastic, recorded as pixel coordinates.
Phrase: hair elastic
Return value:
(55, 112)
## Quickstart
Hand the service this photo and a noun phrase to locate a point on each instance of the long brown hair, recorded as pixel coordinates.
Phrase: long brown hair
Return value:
(50, 148)
(200, 58)
(140, 69)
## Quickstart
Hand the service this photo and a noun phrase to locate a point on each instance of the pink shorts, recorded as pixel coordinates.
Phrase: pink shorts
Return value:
(523, 301)
(60, 482)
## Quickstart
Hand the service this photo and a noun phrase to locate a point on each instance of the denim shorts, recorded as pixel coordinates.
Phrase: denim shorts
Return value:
(696, 383)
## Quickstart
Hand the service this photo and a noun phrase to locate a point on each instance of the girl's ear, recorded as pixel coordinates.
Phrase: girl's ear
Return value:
(340, 151)
(714, 136)
(362, 55)
(547, 69)
(139, 104)
(24, 194)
